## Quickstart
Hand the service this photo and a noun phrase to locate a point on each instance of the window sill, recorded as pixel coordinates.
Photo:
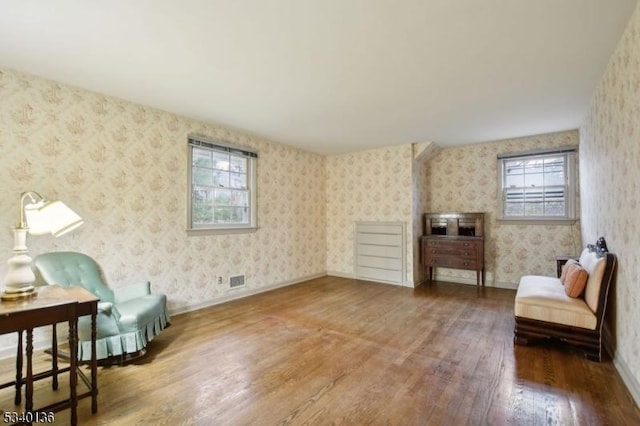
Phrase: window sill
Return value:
(221, 231)
(537, 221)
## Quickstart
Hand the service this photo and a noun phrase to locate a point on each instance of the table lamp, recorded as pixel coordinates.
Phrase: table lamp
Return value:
(37, 216)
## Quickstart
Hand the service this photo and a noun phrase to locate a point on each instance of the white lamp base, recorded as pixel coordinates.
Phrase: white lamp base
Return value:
(19, 280)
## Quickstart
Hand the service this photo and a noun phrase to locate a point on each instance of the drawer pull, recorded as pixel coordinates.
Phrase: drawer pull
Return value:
(467, 244)
(466, 263)
(466, 253)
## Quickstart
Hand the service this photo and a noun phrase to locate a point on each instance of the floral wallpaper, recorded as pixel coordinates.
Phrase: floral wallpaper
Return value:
(421, 154)
(465, 179)
(610, 159)
(123, 168)
(373, 185)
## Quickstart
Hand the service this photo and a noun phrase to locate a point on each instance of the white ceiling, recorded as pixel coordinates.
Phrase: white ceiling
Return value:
(331, 76)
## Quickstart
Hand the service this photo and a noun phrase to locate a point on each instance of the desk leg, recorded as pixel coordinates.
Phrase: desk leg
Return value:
(73, 372)
(94, 363)
(54, 357)
(18, 397)
(29, 384)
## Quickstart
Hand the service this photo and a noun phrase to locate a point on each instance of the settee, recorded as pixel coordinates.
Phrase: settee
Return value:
(544, 308)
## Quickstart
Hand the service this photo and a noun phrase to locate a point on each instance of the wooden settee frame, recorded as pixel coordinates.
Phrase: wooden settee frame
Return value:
(589, 341)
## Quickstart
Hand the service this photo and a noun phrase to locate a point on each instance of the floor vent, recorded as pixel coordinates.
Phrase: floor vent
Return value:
(237, 281)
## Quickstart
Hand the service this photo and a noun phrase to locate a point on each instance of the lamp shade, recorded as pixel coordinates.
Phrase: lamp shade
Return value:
(37, 224)
(53, 217)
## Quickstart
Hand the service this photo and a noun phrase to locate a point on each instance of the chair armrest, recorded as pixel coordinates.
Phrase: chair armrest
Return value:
(108, 310)
(132, 291)
(105, 307)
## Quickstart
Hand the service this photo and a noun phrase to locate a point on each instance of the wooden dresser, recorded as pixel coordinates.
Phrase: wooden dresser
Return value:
(454, 240)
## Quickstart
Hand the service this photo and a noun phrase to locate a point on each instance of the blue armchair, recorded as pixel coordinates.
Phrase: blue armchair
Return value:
(128, 317)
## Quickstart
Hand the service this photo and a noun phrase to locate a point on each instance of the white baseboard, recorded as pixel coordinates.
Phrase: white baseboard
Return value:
(472, 281)
(341, 274)
(241, 293)
(352, 277)
(628, 378)
(621, 366)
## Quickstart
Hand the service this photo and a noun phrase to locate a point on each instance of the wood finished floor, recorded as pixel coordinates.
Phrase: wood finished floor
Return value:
(339, 351)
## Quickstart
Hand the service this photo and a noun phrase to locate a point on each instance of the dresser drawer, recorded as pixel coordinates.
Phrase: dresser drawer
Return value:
(452, 243)
(451, 262)
(466, 252)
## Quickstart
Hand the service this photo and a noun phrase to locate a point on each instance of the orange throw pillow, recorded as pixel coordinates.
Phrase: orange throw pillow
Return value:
(565, 267)
(576, 280)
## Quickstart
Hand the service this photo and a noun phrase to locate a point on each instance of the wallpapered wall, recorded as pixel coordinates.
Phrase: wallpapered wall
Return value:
(465, 179)
(610, 151)
(123, 168)
(373, 185)
(421, 154)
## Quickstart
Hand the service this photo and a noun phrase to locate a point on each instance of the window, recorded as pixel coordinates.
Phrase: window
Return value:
(222, 189)
(538, 186)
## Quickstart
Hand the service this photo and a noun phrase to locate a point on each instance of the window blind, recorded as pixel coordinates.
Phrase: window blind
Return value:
(538, 153)
(217, 146)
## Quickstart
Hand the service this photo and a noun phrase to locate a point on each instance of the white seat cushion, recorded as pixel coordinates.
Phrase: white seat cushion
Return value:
(544, 299)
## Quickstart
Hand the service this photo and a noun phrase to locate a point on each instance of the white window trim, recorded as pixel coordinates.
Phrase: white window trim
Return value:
(571, 216)
(251, 185)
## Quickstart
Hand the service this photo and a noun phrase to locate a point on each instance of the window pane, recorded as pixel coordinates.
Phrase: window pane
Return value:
(533, 202)
(534, 179)
(554, 164)
(202, 195)
(202, 213)
(554, 201)
(239, 198)
(554, 178)
(221, 178)
(238, 180)
(202, 157)
(514, 209)
(220, 161)
(221, 185)
(202, 176)
(223, 196)
(533, 173)
(536, 186)
(515, 180)
(238, 164)
(514, 174)
(240, 214)
(554, 208)
(514, 202)
(231, 215)
(533, 166)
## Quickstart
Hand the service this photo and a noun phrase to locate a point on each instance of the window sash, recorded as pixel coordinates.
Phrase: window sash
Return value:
(537, 186)
(221, 195)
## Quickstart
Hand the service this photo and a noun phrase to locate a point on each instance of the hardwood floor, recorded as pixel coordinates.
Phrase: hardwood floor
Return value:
(339, 351)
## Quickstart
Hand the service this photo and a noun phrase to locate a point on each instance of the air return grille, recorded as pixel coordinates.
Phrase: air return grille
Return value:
(237, 281)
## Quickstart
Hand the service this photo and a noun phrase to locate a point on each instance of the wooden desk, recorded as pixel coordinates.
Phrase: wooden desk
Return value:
(50, 306)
